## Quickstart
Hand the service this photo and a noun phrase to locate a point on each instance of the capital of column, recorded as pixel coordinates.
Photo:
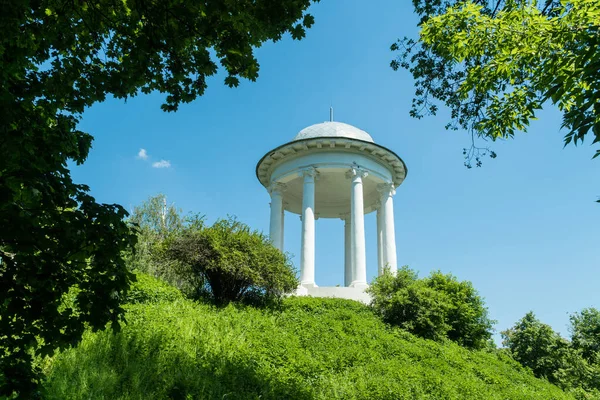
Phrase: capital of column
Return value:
(356, 172)
(377, 204)
(308, 173)
(386, 189)
(345, 216)
(277, 187)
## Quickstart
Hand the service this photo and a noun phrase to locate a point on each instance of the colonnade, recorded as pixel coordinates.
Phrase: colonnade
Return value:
(355, 263)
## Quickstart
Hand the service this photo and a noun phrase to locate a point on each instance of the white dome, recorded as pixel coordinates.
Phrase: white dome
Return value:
(333, 129)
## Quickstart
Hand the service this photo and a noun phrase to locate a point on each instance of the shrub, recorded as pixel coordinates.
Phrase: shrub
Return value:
(147, 289)
(233, 262)
(435, 307)
(156, 222)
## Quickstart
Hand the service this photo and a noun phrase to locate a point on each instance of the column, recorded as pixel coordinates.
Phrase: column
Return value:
(282, 225)
(358, 257)
(307, 251)
(380, 261)
(389, 236)
(276, 226)
(347, 246)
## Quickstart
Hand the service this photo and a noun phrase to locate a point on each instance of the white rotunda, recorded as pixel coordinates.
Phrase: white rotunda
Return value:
(334, 170)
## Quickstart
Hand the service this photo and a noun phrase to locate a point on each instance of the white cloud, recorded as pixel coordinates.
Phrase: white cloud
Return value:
(161, 164)
(143, 154)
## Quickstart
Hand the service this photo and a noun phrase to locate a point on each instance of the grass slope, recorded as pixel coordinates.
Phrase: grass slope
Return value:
(308, 349)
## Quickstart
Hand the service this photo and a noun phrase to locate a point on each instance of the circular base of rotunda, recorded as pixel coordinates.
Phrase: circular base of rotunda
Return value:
(351, 293)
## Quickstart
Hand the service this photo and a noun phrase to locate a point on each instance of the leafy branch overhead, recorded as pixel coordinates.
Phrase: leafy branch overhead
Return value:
(57, 58)
(121, 47)
(494, 64)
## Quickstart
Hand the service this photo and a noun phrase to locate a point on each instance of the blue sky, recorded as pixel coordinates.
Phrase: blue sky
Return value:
(524, 228)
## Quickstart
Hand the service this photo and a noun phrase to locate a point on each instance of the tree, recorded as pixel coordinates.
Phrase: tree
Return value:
(536, 346)
(233, 262)
(585, 333)
(435, 307)
(494, 63)
(157, 217)
(156, 222)
(54, 240)
(57, 58)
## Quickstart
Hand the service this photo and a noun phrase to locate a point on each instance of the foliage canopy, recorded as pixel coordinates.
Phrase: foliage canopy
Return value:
(233, 262)
(585, 333)
(435, 307)
(156, 223)
(535, 345)
(57, 58)
(494, 63)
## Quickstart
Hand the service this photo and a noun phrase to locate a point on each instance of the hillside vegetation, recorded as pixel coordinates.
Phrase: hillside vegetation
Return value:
(307, 348)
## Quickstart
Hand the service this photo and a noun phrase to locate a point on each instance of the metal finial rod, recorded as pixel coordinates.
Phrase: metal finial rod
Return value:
(331, 114)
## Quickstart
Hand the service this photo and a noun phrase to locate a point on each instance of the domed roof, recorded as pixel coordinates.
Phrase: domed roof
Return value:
(333, 129)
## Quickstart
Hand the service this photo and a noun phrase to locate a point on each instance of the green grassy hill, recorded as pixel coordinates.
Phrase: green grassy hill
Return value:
(307, 349)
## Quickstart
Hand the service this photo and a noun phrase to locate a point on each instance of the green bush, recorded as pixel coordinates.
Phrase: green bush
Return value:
(536, 346)
(306, 349)
(155, 223)
(147, 289)
(436, 307)
(225, 262)
(585, 333)
(232, 262)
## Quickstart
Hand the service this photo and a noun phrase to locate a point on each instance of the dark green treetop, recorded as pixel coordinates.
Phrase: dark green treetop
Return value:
(436, 307)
